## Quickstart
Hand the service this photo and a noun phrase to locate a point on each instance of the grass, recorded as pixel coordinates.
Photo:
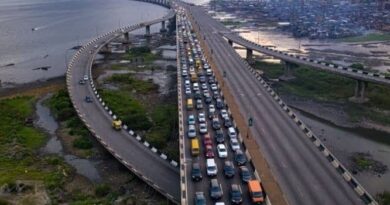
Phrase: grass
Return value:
(19, 144)
(130, 110)
(324, 86)
(62, 110)
(383, 198)
(368, 37)
(130, 83)
(141, 52)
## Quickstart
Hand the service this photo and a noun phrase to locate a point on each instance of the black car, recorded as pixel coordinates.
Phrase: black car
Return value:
(200, 199)
(219, 103)
(196, 173)
(219, 136)
(245, 174)
(198, 95)
(88, 99)
(216, 95)
(228, 169)
(202, 79)
(211, 115)
(240, 157)
(216, 124)
(82, 82)
(211, 80)
(208, 100)
(227, 122)
(236, 194)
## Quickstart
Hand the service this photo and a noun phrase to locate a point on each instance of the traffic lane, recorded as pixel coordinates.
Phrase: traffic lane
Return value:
(91, 108)
(246, 80)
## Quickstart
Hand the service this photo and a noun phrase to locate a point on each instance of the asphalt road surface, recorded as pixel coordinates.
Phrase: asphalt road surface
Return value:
(303, 173)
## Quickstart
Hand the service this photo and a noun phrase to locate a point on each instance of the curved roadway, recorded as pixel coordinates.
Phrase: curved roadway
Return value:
(156, 171)
(304, 174)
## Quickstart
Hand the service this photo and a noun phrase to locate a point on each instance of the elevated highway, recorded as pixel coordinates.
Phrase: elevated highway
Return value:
(137, 157)
(293, 153)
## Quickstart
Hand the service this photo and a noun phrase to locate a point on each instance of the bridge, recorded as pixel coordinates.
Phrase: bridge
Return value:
(293, 164)
(129, 148)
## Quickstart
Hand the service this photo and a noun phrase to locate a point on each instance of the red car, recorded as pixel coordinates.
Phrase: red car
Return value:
(209, 151)
(207, 140)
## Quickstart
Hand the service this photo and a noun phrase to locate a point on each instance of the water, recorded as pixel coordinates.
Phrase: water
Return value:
(59, 25)
(343, 142)
(46, 121)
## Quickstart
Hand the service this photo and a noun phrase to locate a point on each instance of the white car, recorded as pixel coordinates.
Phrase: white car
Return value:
(206, 93)
(184, 73)
(191, 120)
(211, 108)
(214, 87)
(195, 86)
(234, 144)
(85, 77)
(202, 117)
(204, 86)
(202, 128)
(222, 151)
(188, 91)
(209, 72)
(191, 131)
(224, 114)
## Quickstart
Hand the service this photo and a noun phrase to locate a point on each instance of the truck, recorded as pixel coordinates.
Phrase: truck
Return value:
(194, 77)
(255, 191)
(117, 124)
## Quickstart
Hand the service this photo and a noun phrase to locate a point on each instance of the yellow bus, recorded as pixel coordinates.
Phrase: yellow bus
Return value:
(195, 147)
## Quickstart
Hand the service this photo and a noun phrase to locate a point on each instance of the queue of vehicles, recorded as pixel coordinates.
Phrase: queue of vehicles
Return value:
(210, 133)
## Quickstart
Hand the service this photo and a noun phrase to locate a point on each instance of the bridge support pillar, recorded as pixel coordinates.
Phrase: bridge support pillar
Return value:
(249, 55)
(163, 28)
(147, 30)
(287, 75)
(126, 35)
(230, 42)
(360, 88)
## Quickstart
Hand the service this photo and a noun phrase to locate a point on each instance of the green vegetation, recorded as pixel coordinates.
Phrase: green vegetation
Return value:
(62, 109)
(19, 144)
(368, 37)
(143, 53)
(129, 82)
(231, 23)
(324, 86)
(384, 198)
(102, 190)
(358, 66)
(130, 110)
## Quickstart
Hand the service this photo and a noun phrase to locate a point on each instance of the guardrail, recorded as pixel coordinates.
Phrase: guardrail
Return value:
(347, 176)
(129, 131)
(338, 69)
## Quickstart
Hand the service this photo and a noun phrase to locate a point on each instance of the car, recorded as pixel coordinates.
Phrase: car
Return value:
(235, 194)
(219, 103)
(219, 136)
(202, 128)
(239, 157)
(208, 100)
(199, 104)
(228, 169)
(191, 120)
(211, 80)
(209, 72)
(232, 132)
(202, 79)
(200, 199)
(215, 189)
(211, 167)
(216, 95)
(208, 151)
(85, 77)
(81, 81)
(195, 86)
(207, 140)
(227, 122)
(211, 108)
(204, 86)
(201, 117)
(234, 144)
(224, 114)
(196, 173)
(211, 115)
(191, 131)
(245, 174)
(184, 73)
(215, 123)
(187, 83)
(222, 151)
(197, 95)
(88, 99)
(188, 91)
(206, 93)
(214, 87)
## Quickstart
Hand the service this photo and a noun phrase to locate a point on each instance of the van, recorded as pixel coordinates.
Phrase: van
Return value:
(232, 132)
(255, 191)
(195, 147)
(211, 167)
(190, 104)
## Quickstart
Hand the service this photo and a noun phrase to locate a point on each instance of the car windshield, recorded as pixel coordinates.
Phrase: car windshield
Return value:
(211, 168)
(257, 194)
(236, 194)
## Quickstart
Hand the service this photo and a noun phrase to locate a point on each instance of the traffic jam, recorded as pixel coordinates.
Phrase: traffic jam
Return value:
(218, 170)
